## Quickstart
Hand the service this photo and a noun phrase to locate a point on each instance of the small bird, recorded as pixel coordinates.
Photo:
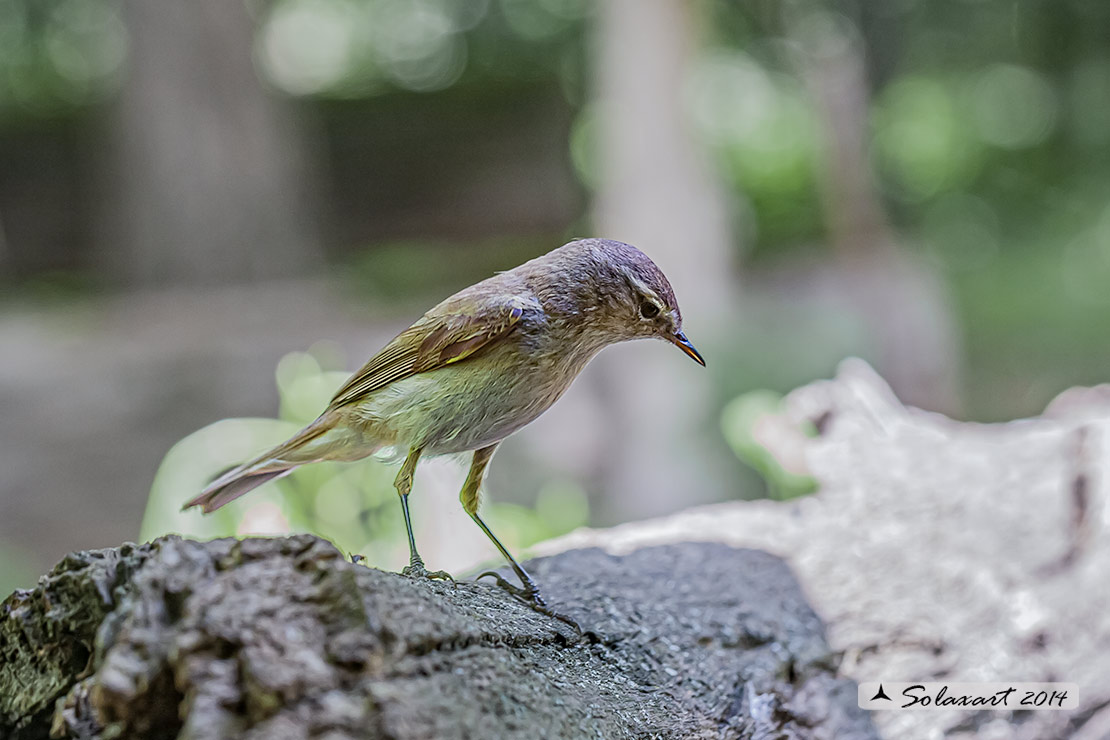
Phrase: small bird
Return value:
(476, 368)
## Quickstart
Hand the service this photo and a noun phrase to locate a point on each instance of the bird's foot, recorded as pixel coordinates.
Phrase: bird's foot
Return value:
(416, 569)
(530, 595)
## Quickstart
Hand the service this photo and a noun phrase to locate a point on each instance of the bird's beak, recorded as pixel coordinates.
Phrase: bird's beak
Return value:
(679, 340)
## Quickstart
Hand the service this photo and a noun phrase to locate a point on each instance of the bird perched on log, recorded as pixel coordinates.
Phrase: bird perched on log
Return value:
(476, 368)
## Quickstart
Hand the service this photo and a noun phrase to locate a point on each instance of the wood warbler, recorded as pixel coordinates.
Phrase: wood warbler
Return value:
(476, 368)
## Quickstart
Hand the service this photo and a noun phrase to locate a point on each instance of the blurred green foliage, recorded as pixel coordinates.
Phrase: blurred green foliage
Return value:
(352, 504)
(989, 130)
(360, 48)
(411, 270)
(58, 56)
(1036, 322)
(1007, 103)
(18, 568)
(752, 424)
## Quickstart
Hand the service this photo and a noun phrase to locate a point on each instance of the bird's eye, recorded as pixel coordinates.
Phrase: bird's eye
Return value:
(649, 310)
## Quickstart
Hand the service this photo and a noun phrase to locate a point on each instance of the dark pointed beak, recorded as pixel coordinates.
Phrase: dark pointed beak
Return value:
(679, 340)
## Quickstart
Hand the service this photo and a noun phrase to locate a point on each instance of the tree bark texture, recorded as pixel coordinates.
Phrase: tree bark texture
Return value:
(283, 638)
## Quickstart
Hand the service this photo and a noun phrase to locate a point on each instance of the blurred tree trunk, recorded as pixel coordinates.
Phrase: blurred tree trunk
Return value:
(207, 181)
(833, 70)
(903, 301)
(5, 258)
(657, 191)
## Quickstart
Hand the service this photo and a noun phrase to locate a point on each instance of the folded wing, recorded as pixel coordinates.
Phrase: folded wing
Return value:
(449, 333)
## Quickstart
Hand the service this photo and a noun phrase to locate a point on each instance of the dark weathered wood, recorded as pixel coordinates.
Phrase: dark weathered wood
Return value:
(282, 638)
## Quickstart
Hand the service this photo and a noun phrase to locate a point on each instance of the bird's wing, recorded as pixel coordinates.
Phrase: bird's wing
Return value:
(448, 333)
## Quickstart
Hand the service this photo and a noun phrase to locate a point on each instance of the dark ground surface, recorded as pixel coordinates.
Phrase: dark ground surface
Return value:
(282, 638)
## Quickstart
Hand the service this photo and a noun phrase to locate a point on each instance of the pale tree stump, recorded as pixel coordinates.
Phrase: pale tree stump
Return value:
(937, 550)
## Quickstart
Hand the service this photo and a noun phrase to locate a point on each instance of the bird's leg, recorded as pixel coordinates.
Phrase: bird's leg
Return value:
(530, 593)
(403, 484)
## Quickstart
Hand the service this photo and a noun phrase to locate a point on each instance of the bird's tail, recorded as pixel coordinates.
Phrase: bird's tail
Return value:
(311, 444)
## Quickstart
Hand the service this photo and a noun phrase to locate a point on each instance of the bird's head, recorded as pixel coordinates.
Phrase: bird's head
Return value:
(639, 301)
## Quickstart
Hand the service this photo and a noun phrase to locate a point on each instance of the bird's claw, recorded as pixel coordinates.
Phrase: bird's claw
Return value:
(530, 595)
(417, 570)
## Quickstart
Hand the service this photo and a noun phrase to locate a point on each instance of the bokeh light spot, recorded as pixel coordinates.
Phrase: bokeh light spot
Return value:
(417, 45)
(731, 96)
(920, 139)
(305, 45)
(536, 20)
(760, 122)
(1012, 107)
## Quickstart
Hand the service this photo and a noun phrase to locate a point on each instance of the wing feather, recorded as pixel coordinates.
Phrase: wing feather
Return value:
(445, 335)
